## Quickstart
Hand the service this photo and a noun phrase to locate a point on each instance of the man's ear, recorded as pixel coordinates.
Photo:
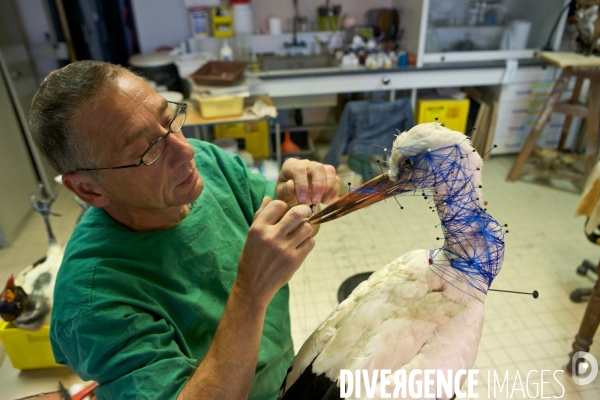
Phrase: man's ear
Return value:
(86, 188)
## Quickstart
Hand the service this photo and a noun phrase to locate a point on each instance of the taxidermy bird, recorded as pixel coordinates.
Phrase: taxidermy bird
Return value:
(27, 300)
(588, 27)
(424, 310)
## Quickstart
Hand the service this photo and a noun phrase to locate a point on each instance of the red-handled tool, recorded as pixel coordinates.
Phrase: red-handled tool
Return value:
(85, 391)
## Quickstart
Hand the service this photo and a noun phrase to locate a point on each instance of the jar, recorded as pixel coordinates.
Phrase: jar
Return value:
(242, 16)
(472, 14)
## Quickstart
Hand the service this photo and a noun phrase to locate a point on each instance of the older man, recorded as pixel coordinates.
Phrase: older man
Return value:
(174, 283)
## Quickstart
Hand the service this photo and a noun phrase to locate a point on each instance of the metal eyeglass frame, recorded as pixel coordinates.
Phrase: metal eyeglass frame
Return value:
(182, 108)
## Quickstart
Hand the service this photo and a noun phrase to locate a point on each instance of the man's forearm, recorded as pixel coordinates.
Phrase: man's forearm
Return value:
(278, 242)
(228, 369)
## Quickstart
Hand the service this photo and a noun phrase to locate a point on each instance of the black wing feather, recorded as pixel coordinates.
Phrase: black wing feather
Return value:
(310, 386)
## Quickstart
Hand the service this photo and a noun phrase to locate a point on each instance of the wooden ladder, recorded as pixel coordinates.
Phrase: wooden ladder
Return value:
(572, 108)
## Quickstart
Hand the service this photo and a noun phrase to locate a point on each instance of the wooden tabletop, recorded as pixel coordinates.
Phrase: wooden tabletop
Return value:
(564, 59)
(194, 117)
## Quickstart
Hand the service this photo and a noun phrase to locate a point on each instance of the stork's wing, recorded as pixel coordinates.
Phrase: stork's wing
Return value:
(391, 321)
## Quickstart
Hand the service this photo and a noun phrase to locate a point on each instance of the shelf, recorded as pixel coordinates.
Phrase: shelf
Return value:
(478, 55)
(478, 28)
(309, 127)
(480, 38)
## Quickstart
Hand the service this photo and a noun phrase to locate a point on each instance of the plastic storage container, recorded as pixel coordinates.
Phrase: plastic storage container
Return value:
(452, 113)
(222, 21)
(252, 136)
(27, 350)
(242, 16)
(158, 67)
(219, 73)
(220, 106)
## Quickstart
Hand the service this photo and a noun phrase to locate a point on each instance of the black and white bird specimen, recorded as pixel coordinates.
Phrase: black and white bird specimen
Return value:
(27, 299)
(424, 310)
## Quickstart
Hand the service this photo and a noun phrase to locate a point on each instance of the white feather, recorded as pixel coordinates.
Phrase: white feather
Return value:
(426, 328)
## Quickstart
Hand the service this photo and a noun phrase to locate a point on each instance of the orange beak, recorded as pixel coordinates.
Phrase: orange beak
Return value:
(377, 189)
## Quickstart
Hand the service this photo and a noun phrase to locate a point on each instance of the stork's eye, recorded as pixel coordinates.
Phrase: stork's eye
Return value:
(408, 163)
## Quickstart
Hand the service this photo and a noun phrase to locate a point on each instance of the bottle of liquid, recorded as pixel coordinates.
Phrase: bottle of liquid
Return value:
(226, 52)
(472, 13)
(254, 63)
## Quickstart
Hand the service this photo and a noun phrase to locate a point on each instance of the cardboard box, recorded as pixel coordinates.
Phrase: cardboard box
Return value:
(452, 113)
(25, 349)
(252, 136)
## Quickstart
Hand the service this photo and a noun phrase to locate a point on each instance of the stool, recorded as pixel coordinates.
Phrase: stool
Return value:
(589, 205)
(581, 67)
(583, 294)
(350, 284)
(588, 327)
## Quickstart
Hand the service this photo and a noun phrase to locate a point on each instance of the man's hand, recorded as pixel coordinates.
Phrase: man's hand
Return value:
(278, 242)
(307, 182)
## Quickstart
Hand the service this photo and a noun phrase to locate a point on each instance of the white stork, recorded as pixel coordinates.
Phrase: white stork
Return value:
(424, 310)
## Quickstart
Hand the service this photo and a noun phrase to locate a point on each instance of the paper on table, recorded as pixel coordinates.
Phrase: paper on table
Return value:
(512, 66)
(261, 110)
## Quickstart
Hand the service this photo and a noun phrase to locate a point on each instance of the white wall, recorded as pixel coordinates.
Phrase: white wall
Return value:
(39, 34)
(262, 10)
(160, 23)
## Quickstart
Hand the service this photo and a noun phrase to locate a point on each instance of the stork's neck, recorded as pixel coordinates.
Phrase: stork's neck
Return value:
(473, 247)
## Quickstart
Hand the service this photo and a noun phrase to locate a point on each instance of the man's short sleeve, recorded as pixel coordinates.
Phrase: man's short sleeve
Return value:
(141, 360)
(243, 182)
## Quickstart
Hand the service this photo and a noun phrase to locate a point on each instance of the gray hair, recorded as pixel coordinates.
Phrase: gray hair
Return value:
(58, 101)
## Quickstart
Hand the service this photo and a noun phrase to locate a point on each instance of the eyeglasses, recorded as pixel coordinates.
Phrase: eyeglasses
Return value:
(157, 148)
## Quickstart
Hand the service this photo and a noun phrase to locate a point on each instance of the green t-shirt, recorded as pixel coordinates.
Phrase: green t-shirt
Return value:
(137, 311)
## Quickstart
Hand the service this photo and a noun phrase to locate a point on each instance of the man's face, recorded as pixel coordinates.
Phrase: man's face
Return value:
(122, 126)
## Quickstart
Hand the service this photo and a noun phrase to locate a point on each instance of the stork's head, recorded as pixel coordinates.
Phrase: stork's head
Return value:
(13, 301)
(431, 156)
(428, 156)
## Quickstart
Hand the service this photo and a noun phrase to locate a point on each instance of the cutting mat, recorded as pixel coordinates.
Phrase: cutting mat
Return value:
(569, 59)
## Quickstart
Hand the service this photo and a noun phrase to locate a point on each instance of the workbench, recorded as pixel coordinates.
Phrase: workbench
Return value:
(330, 80)
(195, 120)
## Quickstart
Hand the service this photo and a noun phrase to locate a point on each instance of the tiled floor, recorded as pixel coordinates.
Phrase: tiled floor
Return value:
(543, 248)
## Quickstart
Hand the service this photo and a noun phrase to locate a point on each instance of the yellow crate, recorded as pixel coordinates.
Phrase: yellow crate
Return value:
(221, 106)
(25, 349)
(452, 113)
(253, 136)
